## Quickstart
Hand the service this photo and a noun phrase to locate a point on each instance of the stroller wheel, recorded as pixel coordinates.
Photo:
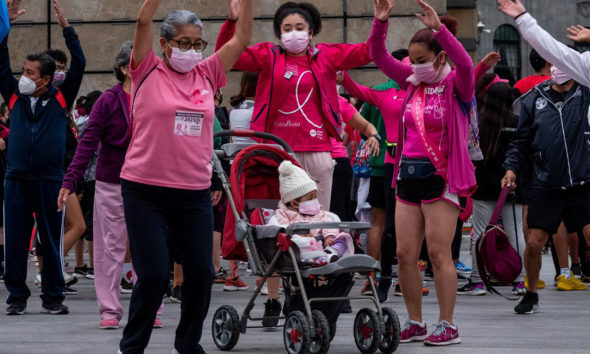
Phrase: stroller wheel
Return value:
(367, 331)
(390, 340)
(296, 333)
(225, 327)
(320, 340)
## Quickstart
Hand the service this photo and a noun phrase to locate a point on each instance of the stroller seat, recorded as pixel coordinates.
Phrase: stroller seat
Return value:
(360, 263)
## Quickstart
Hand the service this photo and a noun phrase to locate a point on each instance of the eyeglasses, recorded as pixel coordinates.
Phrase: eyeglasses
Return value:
(60, 67)
(199, 45)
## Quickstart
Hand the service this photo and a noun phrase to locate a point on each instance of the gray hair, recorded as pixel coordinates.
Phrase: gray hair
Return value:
(178, 18)
(123, 59)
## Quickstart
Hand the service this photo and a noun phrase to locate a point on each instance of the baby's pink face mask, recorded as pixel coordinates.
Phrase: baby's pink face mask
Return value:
(310, 207)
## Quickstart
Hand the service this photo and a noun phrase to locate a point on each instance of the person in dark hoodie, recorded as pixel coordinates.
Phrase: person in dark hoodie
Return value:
(35, 167)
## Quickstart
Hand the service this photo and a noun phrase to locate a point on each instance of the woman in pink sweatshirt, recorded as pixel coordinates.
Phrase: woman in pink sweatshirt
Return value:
(433, 167)
(296, 96)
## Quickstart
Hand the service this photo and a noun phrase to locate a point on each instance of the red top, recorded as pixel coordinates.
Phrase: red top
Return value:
(526, 84)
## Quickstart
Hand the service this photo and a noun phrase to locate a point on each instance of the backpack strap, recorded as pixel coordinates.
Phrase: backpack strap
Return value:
(133, 101)
(499, 206)
(12, 101)
(61, 99)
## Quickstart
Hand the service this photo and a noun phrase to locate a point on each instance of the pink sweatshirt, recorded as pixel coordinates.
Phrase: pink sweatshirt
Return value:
(459, 84)
(389, 102)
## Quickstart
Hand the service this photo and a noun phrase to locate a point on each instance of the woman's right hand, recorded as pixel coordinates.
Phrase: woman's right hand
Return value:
(234, 9)
(511, 8)
(373, 145)
(491, 59)
(509, 180)
(62, 198)
(430, 18)
(383, 9)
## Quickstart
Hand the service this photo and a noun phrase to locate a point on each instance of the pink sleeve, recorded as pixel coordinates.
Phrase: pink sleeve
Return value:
(254, 58)
(465, 79)
(348, 110)
(480, 71)
(347, 56)
(149, 61)
(213, 69)
(363, 93)
(393, 68)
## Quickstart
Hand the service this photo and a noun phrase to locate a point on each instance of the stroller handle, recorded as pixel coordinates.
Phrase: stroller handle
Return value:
(304, 228)
(255, 134)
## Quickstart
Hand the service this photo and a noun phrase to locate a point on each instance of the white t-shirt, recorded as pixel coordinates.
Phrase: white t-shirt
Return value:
(240, 118)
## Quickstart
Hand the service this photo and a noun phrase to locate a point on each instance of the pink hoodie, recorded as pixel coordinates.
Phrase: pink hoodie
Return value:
(461, 173)
(389, 102)
(268, 59)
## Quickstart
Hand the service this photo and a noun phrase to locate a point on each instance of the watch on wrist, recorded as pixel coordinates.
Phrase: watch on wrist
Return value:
(376, 136)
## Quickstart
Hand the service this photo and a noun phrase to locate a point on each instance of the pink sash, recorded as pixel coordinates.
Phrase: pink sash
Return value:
(436, 156)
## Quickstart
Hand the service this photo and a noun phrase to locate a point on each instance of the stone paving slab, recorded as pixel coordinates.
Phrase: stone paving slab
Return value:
(487, 324)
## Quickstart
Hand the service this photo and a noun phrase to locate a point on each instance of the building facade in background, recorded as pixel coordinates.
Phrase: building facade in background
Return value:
(103, 25)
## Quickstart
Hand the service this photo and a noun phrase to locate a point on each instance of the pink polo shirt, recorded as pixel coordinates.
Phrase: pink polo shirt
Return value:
(172, 141)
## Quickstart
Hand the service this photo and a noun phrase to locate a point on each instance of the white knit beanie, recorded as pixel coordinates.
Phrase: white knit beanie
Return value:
(294, 182)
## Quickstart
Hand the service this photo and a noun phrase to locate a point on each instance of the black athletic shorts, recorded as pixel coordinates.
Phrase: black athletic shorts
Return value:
(427, 190)
(377, 192)
(547, 208)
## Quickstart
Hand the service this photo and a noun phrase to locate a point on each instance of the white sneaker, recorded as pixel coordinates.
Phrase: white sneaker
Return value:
(38, 280)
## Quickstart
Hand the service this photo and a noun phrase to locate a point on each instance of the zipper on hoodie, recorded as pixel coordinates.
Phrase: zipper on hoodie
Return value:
(567, 153)
(272, 80)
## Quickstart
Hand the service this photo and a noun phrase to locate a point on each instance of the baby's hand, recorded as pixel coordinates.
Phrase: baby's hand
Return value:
(328, 242)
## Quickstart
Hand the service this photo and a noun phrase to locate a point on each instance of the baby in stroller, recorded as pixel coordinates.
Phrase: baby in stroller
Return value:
(299, 203)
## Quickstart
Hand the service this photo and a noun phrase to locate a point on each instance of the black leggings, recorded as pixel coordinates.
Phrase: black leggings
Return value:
(388, 243)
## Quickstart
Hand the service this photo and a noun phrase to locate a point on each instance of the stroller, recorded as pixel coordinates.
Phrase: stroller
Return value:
(252, 188)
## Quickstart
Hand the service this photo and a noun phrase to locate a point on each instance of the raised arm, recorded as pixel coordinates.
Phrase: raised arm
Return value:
(71, 85)
(231, 51)
(363, 93)
(572, 63)
(486, 64)
(348, 56)
(4, 22)
(144, 32)
(465, 78)
(8, 84)
(393, 68)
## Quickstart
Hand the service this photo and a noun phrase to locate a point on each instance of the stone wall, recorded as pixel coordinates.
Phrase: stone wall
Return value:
(103, 25)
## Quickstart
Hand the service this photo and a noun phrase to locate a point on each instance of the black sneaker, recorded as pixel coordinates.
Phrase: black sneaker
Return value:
(80, 272)
(576, 269)
(528, 304)
(90, 273)
(55, 308)
(176, 295)
(70, 291)
(347, 308)
(272, 308)
(16, 307)
(383, 289)
(125, 287)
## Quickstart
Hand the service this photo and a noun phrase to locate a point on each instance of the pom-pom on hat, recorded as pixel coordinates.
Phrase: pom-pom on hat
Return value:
(294, 182)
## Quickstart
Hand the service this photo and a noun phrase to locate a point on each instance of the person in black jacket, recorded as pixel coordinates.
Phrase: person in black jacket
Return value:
(553, 132)
(497, 126)
(35, 169)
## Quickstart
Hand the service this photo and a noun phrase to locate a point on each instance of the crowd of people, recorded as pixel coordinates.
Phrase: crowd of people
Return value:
(130, 172)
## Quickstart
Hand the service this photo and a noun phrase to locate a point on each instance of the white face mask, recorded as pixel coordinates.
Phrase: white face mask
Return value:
(425, 72)
(27, 86)
(184, 61)
(295, 42)
(558, 76)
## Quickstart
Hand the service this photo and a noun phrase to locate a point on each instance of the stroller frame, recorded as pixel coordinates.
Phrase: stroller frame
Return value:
(362, 264)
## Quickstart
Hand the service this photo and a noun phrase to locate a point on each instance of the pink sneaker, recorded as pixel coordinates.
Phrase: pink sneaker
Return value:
(158, 323)
(413, 331)
(444, 334)
(109, 324)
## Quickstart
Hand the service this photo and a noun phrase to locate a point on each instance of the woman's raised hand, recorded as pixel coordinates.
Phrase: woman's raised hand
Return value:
(430, 18)
(383, 9)
(579, 34)
(491, 59)
(234, 9)
(511, 8)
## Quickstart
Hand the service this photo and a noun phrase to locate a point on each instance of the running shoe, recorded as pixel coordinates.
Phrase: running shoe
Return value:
(444, 334)
(158, 323)
(90, 274)
(38, 280)
(569, 284)
(425, 290)
(463, 271)
(235, 285)
(125, 287)
(576, 270)
(413, 331)
(176, 295)
(16, 307)
(397, 291)
(80, 272)
(110, 323)
(473, 289)
(69, 291)
(383, 289)
(367, 290)
(518, 289)
(586, 278)
(264, 289)
(272, 308)
(529, 303)
(68, 279)
(578, 284)
(55, 308)
(220, 276)
(540, 283)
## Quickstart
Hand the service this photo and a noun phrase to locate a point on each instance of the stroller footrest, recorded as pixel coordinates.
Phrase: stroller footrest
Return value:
(356, 263)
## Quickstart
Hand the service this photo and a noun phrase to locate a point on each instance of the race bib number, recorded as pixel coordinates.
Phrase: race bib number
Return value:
(188, 123)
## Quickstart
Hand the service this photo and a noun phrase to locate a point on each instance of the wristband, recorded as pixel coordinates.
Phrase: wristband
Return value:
(376, 136)
(517, 16)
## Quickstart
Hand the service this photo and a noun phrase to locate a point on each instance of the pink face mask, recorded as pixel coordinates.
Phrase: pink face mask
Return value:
(426, 72)
(184, 61)
(558, 76)
(295, 42)
(310, 207)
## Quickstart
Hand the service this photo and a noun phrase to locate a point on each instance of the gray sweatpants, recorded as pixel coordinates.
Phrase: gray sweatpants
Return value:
(482, 213)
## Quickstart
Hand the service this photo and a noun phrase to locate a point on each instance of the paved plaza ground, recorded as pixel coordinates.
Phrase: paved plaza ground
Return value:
(487, 324)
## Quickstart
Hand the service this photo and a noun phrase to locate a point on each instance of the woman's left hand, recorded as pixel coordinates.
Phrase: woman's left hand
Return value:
(216, 197)
(373, 145)
(430, 18)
